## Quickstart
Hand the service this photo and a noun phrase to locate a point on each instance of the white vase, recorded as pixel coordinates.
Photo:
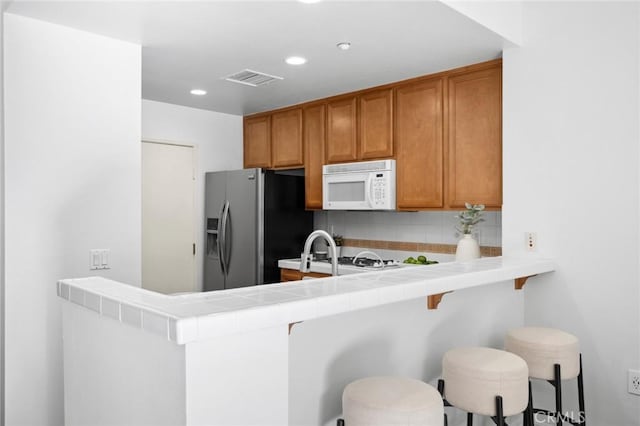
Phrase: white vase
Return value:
(468, 248)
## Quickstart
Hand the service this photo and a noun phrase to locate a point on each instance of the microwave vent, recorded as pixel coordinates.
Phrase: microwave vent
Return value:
(252, 78)
(365, 166)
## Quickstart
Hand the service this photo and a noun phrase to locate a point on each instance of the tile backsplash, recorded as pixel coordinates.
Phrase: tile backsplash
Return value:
(436, 227)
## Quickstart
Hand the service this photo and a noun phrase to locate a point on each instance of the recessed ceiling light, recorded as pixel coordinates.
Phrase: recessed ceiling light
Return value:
(345, 45)
(309, 1)
(198, 92)
(295, 60)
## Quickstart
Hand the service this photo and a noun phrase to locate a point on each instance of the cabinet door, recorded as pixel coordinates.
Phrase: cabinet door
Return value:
(257, 142)
(375, 124)
(289, 275)
(286, 139)
(419, 145)
(475, 138)
(341, 131)
(295, 275)
(314, 139)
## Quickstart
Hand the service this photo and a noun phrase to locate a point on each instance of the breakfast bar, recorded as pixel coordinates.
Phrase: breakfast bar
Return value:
(223, 357)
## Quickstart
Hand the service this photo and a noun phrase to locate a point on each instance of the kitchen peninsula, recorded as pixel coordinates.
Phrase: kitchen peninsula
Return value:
(222, 358)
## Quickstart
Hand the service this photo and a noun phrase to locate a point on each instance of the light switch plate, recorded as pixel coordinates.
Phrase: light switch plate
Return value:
(99, 259)
(104, 258)
(94, 259)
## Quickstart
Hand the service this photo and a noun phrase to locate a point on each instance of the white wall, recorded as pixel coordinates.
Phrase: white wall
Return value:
(118, 374)
(218, 141)
(571, 160)
(402, 339)
(72, 146)
(136, 377)
(2, 6)
(502, 17)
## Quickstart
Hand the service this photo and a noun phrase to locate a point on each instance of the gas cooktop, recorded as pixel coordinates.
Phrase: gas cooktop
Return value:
(365, 262)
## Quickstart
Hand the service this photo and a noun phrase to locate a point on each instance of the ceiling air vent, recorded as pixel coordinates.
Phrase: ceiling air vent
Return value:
(252, 78)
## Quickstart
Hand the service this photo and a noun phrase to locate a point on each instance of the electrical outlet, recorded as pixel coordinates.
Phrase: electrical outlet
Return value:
(633, 382)
(531, 241)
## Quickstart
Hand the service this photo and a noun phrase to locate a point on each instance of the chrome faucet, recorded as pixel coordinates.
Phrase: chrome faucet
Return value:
(368, 252)
(305, 261)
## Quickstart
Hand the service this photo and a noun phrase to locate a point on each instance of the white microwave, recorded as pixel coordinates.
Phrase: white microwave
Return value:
(367, 185)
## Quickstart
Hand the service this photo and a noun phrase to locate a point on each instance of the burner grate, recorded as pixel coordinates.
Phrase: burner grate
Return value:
(365, 262)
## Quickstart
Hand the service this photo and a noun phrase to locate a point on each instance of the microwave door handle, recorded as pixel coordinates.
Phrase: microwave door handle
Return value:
(369, 191)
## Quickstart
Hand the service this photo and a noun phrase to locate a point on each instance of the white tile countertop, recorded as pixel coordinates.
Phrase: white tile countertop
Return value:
(200, 316)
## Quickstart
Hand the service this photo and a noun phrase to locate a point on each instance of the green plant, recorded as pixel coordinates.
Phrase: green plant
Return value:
(469, 217)
(338, 239)
(420, 260)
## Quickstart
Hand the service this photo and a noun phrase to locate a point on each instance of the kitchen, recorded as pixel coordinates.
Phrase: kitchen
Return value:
(412, 170)
(571, 298)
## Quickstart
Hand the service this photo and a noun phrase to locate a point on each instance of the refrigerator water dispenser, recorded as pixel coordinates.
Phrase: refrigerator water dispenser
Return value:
(212, 237)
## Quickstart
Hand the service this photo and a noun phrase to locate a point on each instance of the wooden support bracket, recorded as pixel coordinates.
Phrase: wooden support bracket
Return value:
(434, 300)
(291, 324)
(519, 282)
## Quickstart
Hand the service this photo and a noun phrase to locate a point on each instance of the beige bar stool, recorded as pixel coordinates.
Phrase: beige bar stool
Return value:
(552, 355)
(486, 381)
(385, 401)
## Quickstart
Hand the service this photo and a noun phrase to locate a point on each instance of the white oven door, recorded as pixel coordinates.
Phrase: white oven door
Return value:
(349, 191)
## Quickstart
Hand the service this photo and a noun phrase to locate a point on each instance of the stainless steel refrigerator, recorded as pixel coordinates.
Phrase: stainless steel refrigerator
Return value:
(254, 217)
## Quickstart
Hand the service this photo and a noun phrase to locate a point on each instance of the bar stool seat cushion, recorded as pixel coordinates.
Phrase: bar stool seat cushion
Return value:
(542, 347)
(386, 401)
(473, 378)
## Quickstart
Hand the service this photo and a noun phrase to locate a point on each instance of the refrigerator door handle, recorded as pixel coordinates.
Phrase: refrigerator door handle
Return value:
(221, 237)
(224, 256)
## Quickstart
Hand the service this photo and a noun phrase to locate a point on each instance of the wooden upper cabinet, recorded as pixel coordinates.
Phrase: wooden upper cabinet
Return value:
(314, 141)
(445, 131)
(341, 145)
(257, 142)
(375, 124)
(475, 138)
(419, 145)
(286, 139)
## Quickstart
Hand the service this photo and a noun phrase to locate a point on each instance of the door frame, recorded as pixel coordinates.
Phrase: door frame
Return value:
(194, 176)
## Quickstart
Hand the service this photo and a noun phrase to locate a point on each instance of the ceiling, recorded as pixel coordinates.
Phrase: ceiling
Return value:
(195, 44)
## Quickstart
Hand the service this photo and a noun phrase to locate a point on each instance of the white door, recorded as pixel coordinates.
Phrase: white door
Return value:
(168, 259)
